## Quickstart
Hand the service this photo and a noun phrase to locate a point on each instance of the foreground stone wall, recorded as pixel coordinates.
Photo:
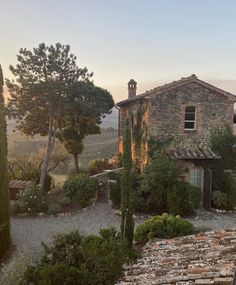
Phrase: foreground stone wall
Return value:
(202, 259)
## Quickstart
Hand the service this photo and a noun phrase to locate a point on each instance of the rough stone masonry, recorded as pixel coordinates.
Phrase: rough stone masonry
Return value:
(202, 259)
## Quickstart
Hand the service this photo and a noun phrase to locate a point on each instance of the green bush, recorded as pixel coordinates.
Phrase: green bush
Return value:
(14, 272)
(56, 274)
(115, 188)
(33, 200)
(15, 207)
(81, 188)
(75, 259)
(158, 177)
(195, 195)
(54, 209)
(48, 182)
(178, 201)
(221, 141)
(162, 191)
(219, 199)
(98, 165)
(64, 201)
(183, 198)
(165, 226)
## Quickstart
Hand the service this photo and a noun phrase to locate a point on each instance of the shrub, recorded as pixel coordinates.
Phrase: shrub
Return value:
(158, 177)
(54, 209)
(221, 141)
(15, 207)
(219, 199)
(98, 165)
(195, 195)
(165, 226)
(81, 188)
(183, 198)
(33, 200)
(48, 182)
(115, 188)
(13, 273)
(57, 274)
(64, 201)
(74, 259)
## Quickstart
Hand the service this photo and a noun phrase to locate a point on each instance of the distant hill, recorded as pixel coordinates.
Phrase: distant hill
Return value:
(110, 121)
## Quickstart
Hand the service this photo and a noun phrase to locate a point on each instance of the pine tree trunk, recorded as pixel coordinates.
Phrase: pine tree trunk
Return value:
(76, 162)
(127, 222)
(5, 239)
(50, 146)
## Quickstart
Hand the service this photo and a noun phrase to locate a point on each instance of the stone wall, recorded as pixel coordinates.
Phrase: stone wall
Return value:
(166, 114)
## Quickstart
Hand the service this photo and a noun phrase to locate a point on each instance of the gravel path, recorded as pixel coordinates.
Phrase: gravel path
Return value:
(29, 232)
(214, 221)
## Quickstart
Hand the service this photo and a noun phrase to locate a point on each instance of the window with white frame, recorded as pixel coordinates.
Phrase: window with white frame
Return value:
(190, 118)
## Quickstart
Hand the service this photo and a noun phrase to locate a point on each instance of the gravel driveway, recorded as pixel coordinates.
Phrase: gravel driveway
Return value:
(29, 232)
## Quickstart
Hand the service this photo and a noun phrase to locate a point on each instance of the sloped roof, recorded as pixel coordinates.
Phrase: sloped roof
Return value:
(206, 258)
(175, 84)
(19, 184)
(191, 154)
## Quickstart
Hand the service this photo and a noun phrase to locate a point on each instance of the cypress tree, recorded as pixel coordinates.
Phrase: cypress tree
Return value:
(127, 222)
(5, 240)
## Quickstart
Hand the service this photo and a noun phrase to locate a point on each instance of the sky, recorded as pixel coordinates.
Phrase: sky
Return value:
(152, 41)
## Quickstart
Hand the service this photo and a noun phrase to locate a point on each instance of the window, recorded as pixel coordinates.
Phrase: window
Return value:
(190, 118)
(196, 177)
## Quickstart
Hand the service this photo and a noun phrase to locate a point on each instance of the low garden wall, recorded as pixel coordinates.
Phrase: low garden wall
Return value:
(102, 177)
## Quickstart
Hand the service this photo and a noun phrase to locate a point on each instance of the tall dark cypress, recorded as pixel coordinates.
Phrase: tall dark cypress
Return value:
(5, 240)
(127, 222)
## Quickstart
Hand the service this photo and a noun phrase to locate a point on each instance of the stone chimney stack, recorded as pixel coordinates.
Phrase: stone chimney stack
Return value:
(132, 87)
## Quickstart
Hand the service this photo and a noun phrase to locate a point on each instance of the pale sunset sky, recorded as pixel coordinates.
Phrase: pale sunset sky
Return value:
(152, 41)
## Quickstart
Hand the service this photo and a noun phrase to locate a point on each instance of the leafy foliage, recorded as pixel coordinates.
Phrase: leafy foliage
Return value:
(222, 141)
(115, 188)
(40, 95)
(98, 165)
(219, 199)
(127, 222)
(54, 209)
(183, 198)
(32, 200)
(162, 191)
(81, 187)
(165, 226)
(159, 177)
(74, 259)
(5, 240)
(87, 105)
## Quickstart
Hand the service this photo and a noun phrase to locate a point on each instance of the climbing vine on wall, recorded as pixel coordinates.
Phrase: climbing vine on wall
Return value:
(139, 135)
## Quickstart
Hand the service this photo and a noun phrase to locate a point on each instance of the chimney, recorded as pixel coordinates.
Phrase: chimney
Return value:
(132, 87)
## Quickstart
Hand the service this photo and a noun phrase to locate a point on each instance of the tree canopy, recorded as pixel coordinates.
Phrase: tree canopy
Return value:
(41, 91)
(87, 105)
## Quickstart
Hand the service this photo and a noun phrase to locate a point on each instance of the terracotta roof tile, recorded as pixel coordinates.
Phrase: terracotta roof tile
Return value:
(183, 81)
(19, 184)
(203, 259)
(191, 154)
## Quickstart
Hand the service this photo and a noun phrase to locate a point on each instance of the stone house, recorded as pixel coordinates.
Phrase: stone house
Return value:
(182, 113)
